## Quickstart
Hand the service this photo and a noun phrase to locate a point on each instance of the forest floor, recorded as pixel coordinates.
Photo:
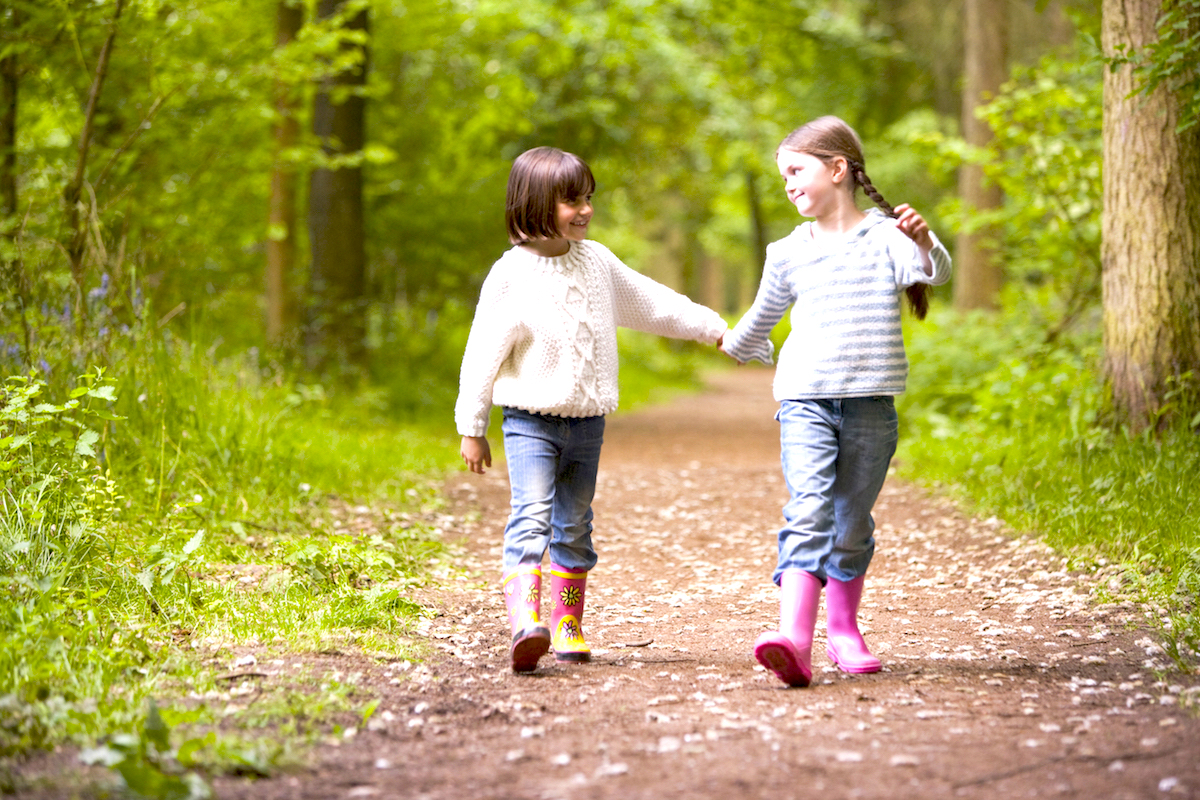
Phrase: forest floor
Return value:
(1004, 675)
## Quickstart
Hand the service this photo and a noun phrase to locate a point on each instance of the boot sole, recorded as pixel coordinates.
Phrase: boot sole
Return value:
(527, 649)
(780, 659)
(570, 657)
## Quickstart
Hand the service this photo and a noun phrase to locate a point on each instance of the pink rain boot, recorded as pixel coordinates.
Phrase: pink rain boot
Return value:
(788, 651)
(844, 644)
(530, 638)
(566, 616)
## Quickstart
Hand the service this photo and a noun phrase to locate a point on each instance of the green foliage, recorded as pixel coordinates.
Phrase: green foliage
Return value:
(211, 469)
(1046, 155)
(654, 369)
(43, 446)
(1008, 411)
(1010, 424)
(1169, 61)
(147, 764)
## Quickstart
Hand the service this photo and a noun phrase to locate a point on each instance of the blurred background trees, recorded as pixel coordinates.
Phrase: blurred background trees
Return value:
(324, 181)
(241, 243)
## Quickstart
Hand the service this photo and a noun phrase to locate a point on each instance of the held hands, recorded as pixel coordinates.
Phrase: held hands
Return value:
(476, 453)
(913, 225)
(721, 349)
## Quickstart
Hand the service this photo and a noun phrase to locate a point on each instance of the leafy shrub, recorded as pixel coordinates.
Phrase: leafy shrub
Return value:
(1046, 156)
(1018, 431)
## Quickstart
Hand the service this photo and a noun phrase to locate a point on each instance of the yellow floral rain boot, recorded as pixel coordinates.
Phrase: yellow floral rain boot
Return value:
(567, 591)
(530, 637)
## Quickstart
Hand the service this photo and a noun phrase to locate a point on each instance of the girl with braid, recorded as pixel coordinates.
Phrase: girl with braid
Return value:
(838, 373)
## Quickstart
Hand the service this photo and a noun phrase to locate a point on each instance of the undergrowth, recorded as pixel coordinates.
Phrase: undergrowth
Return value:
(158, 514)
(1016, 427)
(172, 511)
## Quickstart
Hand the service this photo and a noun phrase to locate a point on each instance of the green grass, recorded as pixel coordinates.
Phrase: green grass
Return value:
(158, 518)
(133, 505)
(1017, 428)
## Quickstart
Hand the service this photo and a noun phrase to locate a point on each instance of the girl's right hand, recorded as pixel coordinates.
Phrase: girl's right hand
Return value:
(476, 452)
(913, 226)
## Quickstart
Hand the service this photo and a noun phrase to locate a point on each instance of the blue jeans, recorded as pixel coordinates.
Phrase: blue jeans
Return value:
(552, 467)
(835, 457)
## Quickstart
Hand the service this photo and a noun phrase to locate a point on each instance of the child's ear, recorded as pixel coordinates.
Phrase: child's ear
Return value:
(840, 169)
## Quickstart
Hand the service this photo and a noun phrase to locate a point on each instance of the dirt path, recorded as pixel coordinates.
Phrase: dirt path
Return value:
(1002, 678)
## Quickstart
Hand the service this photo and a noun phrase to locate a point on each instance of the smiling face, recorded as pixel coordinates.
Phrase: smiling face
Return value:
(573, 217)
(812, 185)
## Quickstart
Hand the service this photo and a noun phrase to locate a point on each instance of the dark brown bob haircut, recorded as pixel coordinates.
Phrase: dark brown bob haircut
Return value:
(540, 178)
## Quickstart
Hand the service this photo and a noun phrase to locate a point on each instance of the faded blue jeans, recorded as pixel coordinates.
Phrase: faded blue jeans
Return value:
(552, 468)
(835, 457)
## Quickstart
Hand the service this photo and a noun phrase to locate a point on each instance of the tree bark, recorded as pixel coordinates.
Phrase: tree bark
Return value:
(337, 326)
(281, 218)
(12, 272)
(978, 275)
(1150, 245)
(9, 85)
(758, 225)
(76, 228)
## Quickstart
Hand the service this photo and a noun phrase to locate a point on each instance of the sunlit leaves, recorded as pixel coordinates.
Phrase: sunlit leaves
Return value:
(1170, 60)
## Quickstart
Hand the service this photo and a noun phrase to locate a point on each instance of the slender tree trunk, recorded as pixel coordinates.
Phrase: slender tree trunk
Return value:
(335, 217)
(1150, 247)
(747, 282)
(12, 272)
(281, 221)
(77, 228)
(9, 85)
(977, 271)
(758, 226)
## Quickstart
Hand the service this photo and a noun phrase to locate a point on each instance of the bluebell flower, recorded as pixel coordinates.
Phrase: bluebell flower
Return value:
(101, 291)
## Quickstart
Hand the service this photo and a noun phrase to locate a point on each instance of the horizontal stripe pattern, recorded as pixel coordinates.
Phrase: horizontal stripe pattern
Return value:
(844, 292)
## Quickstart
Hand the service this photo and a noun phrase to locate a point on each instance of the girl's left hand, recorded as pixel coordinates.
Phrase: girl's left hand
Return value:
(913, 226)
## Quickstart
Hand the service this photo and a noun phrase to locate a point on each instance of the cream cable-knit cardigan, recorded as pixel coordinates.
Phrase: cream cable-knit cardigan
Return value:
(544, 338)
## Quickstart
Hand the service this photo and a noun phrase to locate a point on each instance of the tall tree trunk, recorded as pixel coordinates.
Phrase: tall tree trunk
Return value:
(76, 228)
(977, 272)
(758, 225)
(747, 280)
(12, 272)
(281, 220)
(1150, 246)
(337, 327)
(9, 84)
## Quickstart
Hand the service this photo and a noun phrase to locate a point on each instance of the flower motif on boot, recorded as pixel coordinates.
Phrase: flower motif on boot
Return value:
(571, 596)
(568, 642)
(570, 631)
(531, 592)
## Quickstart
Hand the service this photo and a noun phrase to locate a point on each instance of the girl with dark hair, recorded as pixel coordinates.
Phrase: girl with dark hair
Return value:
(838, 372)
(543, 346)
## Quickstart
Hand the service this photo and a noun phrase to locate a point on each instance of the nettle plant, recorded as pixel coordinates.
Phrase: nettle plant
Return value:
(50, 457)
